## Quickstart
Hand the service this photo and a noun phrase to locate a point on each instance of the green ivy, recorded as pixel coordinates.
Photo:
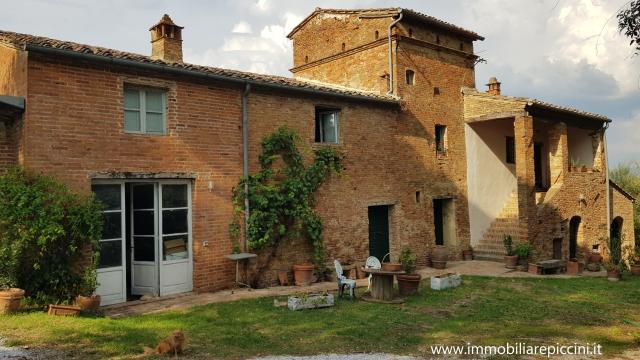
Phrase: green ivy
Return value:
(281, 200)
(44, 229)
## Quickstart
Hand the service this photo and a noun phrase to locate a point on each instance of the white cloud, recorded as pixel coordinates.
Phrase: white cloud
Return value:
(242, 27)
(263, 5)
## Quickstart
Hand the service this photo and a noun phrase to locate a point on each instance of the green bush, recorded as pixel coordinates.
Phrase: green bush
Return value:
(523, 250)
(44, 229)
(408, 261)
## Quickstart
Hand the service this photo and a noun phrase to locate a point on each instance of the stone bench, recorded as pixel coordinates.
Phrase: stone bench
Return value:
(550, 267)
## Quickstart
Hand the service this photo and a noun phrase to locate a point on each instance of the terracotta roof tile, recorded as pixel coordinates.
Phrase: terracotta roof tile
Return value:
(21, 40)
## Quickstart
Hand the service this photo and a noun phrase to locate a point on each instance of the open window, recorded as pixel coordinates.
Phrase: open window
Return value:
(441, 139)
(327, 125)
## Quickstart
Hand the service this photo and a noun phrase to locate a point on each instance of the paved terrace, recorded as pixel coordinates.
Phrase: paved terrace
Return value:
(181, 301)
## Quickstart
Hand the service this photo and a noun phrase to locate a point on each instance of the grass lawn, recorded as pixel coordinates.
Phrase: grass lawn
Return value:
(484, 311)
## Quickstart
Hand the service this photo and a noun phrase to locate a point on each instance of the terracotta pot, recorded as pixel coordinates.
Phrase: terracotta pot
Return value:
(635, 269)
(439, 256)
(408, 284)
(574, 267)
(88, 303)
(10, 300)
(391, 266)
(595, 258)
(302, 274)
(283, 278)
(361, 274)
(613, 275)
(533, 269)
(593, 267)
(467, 255)
(511, 262)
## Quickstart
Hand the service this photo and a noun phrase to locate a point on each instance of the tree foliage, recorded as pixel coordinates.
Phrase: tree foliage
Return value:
(629, 23)
(281, 198)
(627, 176)
(45, 233)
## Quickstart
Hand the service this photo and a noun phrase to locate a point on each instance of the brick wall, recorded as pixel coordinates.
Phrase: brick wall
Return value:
(74, 127)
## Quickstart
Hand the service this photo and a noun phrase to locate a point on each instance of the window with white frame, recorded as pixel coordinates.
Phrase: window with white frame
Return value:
(327, 121)
(145, 110)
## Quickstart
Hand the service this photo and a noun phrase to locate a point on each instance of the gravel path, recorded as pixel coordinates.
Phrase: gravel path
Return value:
(340, 357)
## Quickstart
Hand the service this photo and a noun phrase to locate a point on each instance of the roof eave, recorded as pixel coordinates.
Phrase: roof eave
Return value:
(568, 112)
(169, 69)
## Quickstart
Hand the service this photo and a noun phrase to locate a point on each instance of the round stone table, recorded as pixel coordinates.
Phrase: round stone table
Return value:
(382, 285)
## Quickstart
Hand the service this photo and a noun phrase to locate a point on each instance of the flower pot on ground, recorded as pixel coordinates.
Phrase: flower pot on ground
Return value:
(467, 254)
(303, 274)
(634, 264)
(63, 310)
(523, 251)
(439, 257)
(409, 282)
(87, 300)
(635, 269)
(574, 267)
(614, 274)
(10, 299)
(595, 258)
(510, 258)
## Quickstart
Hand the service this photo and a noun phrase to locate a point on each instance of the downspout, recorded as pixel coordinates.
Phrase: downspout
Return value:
(606, 168)
(245, 160)
(390, 92)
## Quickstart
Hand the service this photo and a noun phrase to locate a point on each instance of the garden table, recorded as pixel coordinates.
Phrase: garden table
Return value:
(382, 285)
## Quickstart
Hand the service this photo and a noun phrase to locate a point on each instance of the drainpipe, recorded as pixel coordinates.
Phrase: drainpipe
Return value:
(390, 92)
(606, 168)
(245, 159)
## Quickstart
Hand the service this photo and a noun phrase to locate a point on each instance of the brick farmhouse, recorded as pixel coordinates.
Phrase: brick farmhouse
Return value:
(429, 159)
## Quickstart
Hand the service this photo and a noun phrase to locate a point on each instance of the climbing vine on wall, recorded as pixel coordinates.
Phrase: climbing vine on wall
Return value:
(281, 198)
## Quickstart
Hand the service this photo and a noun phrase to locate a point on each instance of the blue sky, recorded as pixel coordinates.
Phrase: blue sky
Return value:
(567, 52)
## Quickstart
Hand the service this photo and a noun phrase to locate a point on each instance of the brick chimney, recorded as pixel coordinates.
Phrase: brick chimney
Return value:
(494, 86)
(166, 40)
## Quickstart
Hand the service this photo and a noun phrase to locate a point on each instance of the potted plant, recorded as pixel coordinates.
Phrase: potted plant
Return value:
(408, 282)
(87, 299)
(439, 257)
(467, 254)
(510, 258)
(614, 270)
(10, 296)
(303, 274)
(595, 256)
(522, 252)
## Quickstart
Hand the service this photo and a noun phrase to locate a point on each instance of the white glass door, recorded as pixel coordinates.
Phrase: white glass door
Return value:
(111, 268)
(175, 238)
(144, 239)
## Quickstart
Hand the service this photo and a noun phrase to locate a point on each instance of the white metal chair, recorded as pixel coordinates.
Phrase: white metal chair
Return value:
(343, 281)
(372, 263)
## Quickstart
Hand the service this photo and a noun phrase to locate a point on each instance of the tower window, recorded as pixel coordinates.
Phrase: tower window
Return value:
(436, 91)
(437, 39)
(418, 197)
(377, 35)
(410, 32)
(410, 77)
(306, 59)
(441, 139)
(344, 46)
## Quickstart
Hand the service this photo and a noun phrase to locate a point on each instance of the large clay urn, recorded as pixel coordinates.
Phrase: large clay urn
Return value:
(439, 256)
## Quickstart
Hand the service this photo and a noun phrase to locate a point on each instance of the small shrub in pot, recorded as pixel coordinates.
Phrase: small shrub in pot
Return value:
(510, 258)
(408, 282)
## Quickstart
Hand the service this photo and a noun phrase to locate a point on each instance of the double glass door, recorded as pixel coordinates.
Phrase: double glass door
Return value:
(160, 215)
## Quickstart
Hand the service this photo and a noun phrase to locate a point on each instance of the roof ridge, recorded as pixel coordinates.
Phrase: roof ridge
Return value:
(20, 39)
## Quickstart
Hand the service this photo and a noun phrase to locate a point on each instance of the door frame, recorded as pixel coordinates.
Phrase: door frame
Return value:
(156, 226)
(108, 299)
(126, 251)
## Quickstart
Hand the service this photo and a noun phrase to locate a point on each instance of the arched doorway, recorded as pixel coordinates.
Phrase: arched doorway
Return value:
(615, 237)
(574, 232)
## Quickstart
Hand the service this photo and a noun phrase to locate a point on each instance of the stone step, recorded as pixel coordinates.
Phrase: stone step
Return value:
(487, 256)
